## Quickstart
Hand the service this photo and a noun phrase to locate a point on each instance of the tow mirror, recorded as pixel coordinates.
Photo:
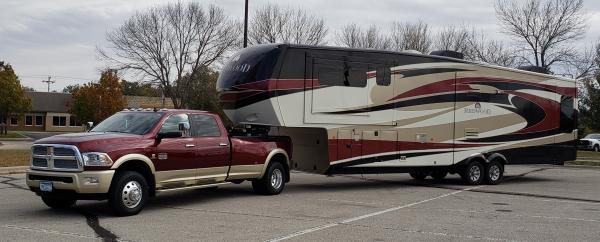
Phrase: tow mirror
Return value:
(184, 126)
(89, 126)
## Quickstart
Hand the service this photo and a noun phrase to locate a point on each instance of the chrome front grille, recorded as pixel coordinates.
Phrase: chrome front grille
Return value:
(56, 157)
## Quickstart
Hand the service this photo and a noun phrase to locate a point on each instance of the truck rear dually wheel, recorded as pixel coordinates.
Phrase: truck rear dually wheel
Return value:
(55, 202)
(273, 182)
(128, 194)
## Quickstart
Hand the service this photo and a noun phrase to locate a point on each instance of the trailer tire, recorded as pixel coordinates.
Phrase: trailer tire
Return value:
(273, 182)
(418, 175)
(439, 175)
(128, 193)
(59, 203)
(473, 173)
(494, 173)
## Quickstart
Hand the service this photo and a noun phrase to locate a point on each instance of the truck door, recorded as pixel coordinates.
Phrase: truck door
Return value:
(212, 147)
(175, 160)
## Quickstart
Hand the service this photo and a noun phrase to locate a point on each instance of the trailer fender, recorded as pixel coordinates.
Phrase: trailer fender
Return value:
(497, 156)
(472, 157)
(269, 159)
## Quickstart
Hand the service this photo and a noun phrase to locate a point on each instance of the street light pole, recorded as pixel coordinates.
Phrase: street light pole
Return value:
(246, 25)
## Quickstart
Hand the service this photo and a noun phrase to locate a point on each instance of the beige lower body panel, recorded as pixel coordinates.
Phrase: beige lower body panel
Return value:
(190, 177)
(80, 183)
(245, 172)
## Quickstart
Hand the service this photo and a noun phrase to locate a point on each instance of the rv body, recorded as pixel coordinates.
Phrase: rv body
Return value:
(370, 111)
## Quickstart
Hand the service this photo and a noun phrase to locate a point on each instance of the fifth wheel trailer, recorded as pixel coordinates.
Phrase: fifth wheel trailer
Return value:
(372, 111)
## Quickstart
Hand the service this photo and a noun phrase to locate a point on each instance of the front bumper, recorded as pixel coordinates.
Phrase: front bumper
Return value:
(76, 182)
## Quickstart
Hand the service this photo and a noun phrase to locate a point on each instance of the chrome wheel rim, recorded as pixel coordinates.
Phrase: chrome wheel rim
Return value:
(276, 179)
(494, 173)
(475, 173)
(131, 194)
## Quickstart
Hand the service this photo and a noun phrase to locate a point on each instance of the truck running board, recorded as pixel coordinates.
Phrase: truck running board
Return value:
(191, 187)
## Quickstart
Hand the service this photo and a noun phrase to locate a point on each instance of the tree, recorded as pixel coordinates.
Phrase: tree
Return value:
(543, 28)
(165, 43)
(411, 36)
(274, 24)
(96, 101)
(28, 89)
(12, 96)
(353, 36)
(71, 88)
(139, 89)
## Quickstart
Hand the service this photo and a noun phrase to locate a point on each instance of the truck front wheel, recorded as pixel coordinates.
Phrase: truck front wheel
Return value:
(54, 202)
(128, 194)
(273, 182)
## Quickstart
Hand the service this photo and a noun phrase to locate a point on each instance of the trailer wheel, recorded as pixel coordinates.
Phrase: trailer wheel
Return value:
(273, 182)
(494, 172)
(418, 175)
(128, 193)
(54, 202)
(439, 175)
(473, 173)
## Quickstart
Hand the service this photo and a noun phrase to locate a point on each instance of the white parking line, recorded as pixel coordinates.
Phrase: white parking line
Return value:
(47, 231)
(350, 220)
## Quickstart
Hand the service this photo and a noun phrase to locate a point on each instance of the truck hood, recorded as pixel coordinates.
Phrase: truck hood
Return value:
(96, 141)
(591, 140)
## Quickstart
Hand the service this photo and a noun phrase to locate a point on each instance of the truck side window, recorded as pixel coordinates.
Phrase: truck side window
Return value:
(172, 124)
(204, 126)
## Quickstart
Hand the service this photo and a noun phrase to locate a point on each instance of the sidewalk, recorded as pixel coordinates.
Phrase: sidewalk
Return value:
(13, 170)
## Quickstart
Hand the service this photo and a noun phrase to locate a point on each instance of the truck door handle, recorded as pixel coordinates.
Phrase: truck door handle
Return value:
(222, 144)
(189, 145)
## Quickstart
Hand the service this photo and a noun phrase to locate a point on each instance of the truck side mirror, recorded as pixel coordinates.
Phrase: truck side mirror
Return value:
(89, 126)
(184, 126)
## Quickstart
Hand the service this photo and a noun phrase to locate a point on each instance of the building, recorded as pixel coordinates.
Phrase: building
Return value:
(50, 112)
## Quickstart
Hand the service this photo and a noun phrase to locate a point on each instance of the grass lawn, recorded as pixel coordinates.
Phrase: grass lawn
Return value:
(12, 134)
(14, 158)
(588, 154)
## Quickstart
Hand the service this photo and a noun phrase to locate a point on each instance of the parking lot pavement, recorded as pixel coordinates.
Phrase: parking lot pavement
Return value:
(536, 203)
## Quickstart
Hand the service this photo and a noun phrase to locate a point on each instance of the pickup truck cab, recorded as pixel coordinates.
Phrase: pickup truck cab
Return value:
(132, 155)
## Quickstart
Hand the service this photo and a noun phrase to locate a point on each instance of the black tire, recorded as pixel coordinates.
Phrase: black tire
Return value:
(273, 182)
(494, 173)
(59, 203)
(473, 173)
(439, 175)
(418, 175)
(128, 193)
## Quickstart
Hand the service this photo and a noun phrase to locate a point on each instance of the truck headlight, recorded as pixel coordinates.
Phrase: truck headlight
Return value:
(96, 159)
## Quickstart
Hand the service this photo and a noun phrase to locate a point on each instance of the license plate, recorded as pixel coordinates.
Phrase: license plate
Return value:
(46, 186)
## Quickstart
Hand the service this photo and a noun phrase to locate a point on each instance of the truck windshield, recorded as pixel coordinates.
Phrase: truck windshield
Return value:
(129, 123)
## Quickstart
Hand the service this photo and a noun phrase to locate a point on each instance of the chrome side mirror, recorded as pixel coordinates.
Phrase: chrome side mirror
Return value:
(184, 126)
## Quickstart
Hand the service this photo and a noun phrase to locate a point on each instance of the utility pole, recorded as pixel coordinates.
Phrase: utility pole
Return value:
(246, 25)
(49, 82)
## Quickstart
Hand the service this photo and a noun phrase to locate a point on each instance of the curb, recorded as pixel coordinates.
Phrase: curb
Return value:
(13, 170)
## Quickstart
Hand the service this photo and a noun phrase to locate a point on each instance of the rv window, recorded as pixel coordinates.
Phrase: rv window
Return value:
(347, 74)
(383, 76)
(568, 114)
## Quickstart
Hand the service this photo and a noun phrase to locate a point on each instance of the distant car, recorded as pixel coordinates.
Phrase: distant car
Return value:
(590, 142)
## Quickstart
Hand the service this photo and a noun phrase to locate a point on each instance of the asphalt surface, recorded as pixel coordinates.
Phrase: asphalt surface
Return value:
(535, 203)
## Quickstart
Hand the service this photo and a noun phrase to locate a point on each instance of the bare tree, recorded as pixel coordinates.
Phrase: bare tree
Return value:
(455, 38)
(165, 43)
(544, 28)
(273, 24)
(354, 36)
(411, 36)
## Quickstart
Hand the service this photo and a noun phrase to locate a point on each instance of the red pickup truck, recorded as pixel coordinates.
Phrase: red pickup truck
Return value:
(134, 154)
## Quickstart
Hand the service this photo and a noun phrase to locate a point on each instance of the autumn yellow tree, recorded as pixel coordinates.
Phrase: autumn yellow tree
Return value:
(96, 101)
(12, 98)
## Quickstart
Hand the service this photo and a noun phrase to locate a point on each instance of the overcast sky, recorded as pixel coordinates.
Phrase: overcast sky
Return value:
(59, 37)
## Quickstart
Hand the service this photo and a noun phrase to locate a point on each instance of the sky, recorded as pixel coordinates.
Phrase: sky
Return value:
(60, 37)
